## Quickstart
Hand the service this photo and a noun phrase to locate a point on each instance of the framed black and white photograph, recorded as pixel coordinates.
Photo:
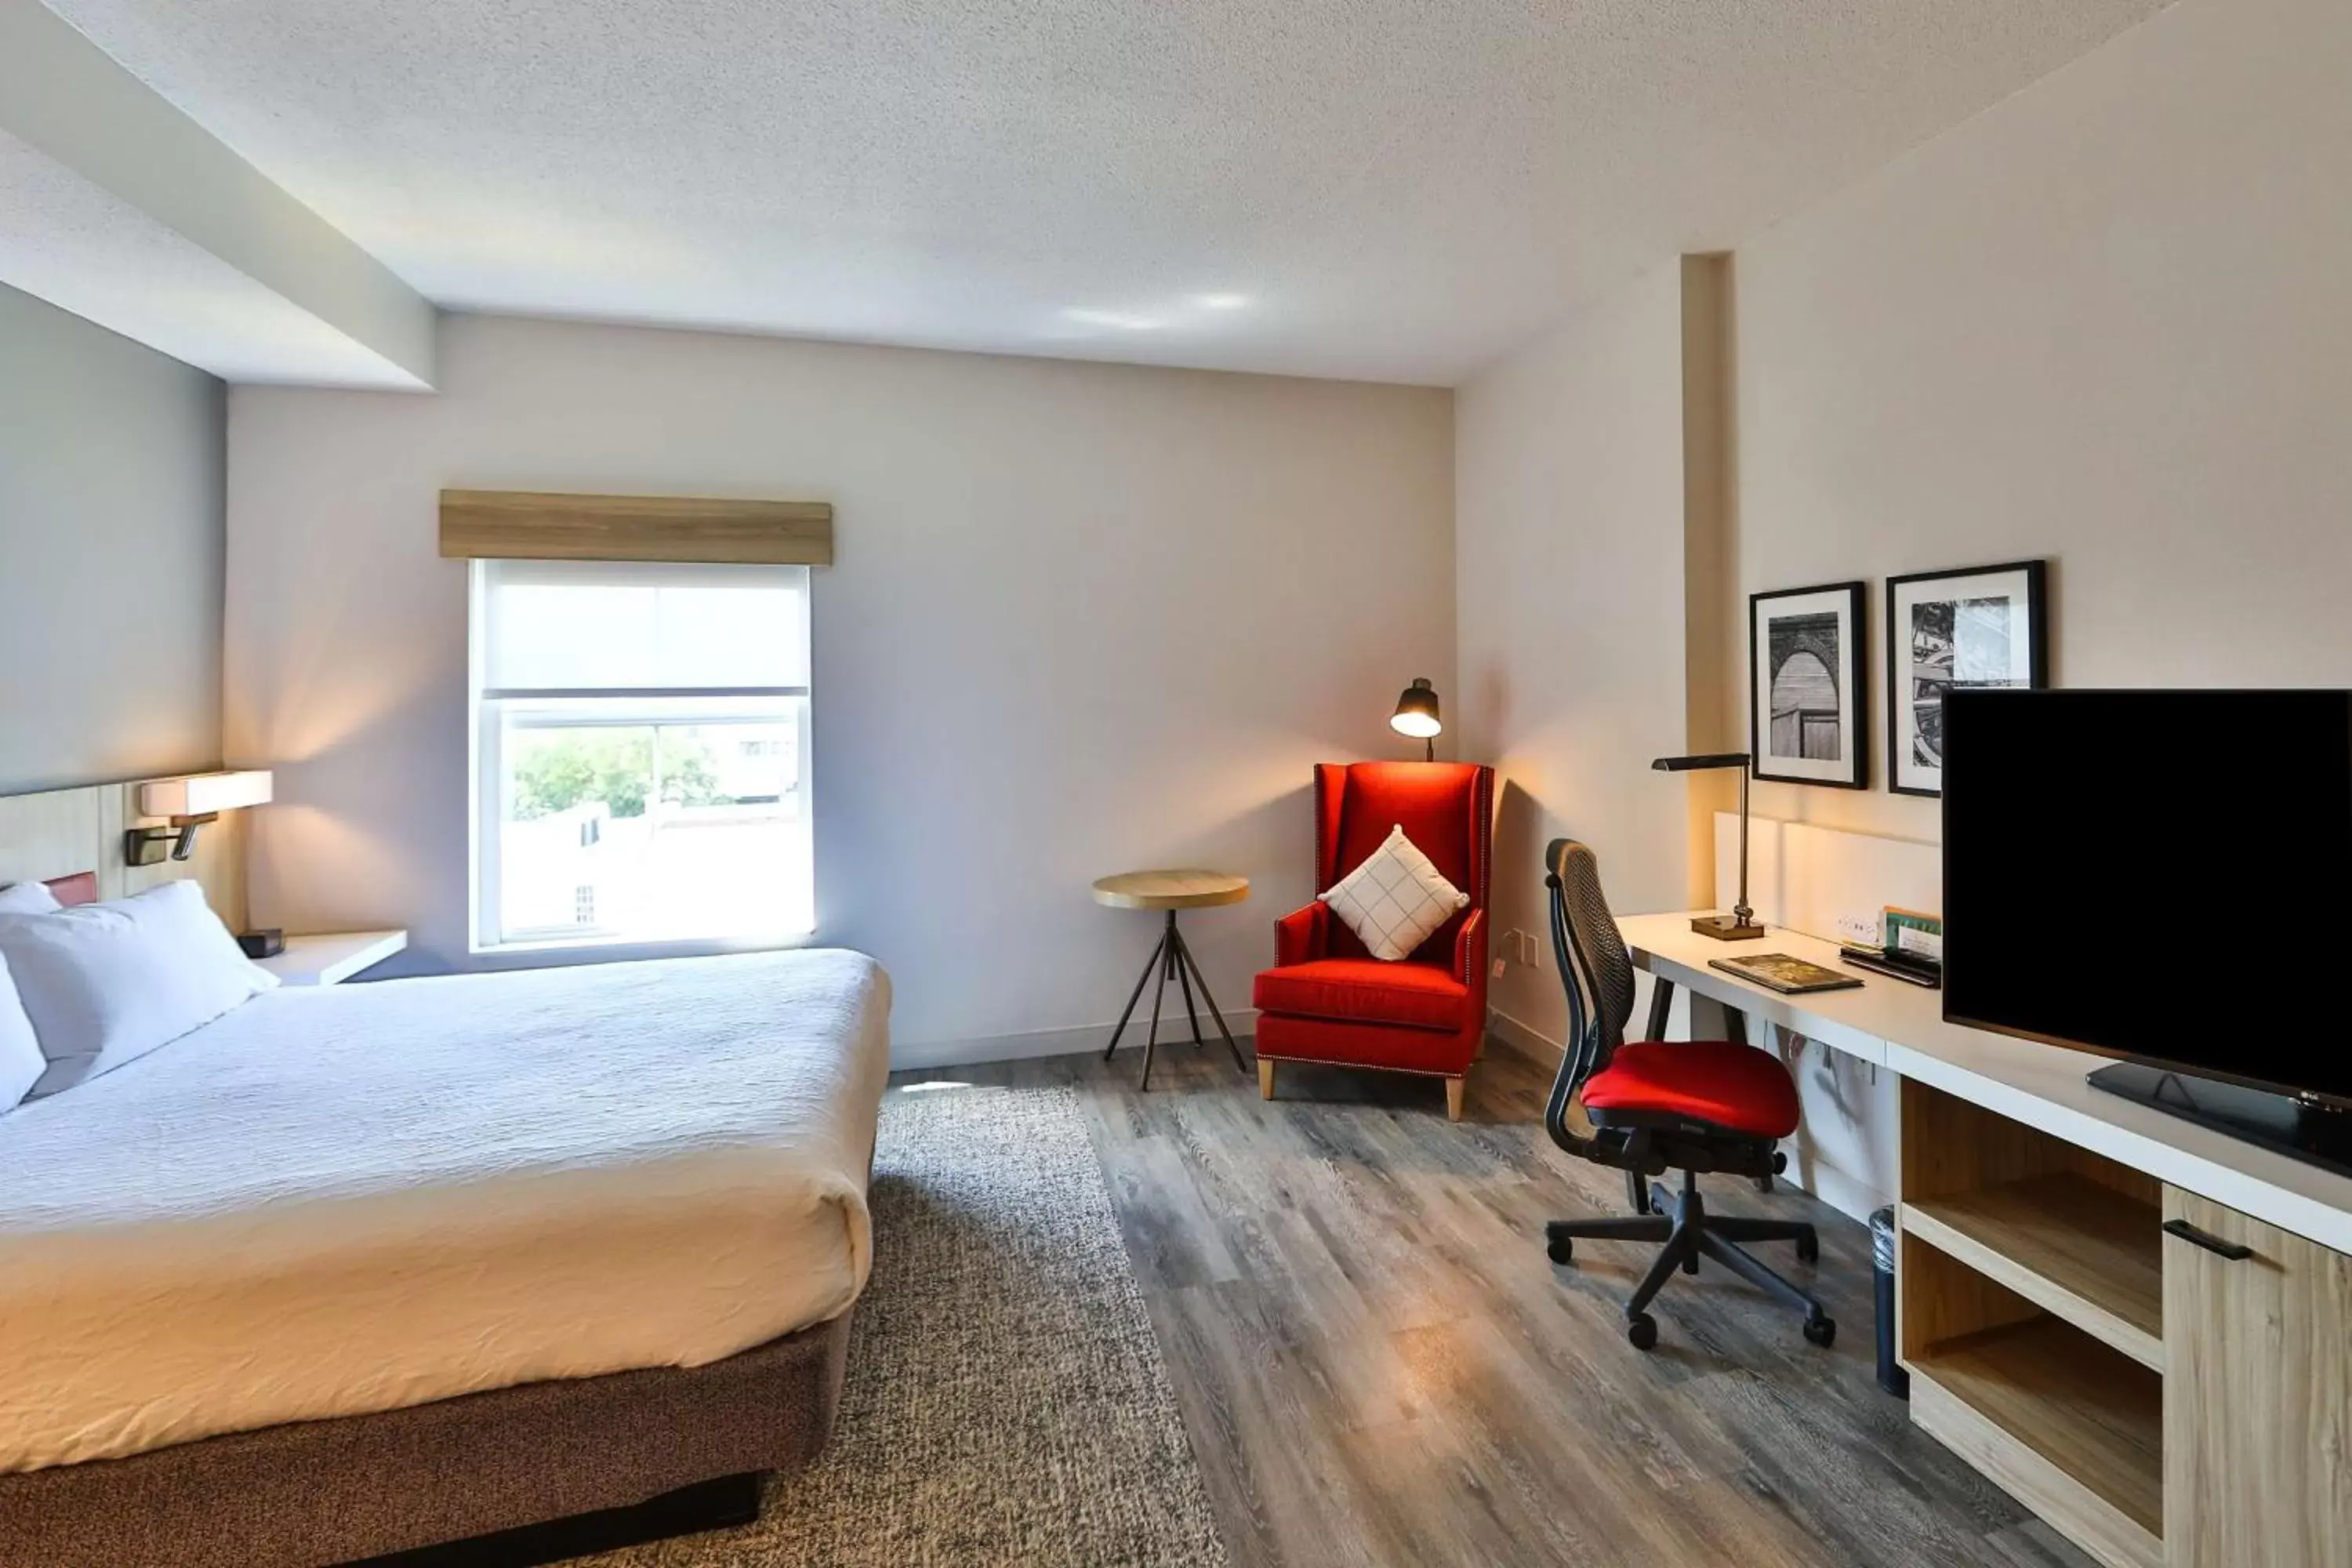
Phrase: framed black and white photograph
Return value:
(1807, 711)
(1981, 626)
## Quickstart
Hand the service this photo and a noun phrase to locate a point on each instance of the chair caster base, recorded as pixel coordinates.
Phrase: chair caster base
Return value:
(1688, 1234)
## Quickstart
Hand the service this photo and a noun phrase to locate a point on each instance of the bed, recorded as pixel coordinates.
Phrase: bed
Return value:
(355, 1269)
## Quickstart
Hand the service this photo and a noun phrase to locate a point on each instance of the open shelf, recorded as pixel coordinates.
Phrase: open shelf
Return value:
(2031, 1286)
(2077, 1249)
(2070, 1427)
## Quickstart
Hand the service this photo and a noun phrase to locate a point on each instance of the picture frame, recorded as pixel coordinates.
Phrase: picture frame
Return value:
(1972, 626)
(1808, 697)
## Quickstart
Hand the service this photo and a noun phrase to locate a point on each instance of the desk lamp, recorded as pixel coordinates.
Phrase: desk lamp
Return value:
(1740, 925)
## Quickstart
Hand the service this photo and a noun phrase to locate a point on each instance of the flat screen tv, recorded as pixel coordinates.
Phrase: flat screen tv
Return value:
(2117, 864)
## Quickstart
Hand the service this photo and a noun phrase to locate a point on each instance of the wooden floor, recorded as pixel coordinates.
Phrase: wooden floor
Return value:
(1378, 1364)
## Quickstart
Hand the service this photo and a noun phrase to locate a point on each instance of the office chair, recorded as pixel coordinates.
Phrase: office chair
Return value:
(1696, 1106)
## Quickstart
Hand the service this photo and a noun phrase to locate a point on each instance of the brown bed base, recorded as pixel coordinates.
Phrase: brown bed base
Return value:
(642, 1454)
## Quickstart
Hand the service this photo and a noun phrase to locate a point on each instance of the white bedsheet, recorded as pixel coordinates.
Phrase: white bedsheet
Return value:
(354, 1198)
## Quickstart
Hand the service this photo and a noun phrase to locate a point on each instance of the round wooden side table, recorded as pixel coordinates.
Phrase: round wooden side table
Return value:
(1170, 959)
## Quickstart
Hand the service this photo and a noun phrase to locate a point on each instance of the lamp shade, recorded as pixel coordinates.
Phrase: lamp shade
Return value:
(1416, 713)
(201, 794)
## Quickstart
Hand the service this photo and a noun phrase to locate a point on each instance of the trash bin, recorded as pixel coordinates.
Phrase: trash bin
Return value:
(1891, 1375)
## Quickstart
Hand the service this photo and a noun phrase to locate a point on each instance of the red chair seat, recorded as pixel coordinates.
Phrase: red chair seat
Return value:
(1365, 990)
(1719, 1082)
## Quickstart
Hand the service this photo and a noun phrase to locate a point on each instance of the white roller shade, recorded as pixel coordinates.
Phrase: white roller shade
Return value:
(586, 629)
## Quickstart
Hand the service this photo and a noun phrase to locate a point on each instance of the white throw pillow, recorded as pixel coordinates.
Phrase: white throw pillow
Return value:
(26, 899)
(106, 984)
(21, 1062)
(1395, 898)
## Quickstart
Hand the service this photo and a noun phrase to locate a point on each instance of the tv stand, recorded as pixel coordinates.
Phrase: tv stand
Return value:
(2316, 1135)
(2137, 1324)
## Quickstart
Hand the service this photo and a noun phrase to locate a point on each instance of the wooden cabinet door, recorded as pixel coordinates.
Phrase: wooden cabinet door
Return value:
(2257, 1394)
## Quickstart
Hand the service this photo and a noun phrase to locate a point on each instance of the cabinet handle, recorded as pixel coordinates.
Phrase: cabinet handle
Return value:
(2208, 1240)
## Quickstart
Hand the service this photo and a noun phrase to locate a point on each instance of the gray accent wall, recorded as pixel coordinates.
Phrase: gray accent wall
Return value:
(112, 462)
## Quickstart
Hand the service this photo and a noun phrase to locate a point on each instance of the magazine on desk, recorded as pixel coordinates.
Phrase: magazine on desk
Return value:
(1789, 976)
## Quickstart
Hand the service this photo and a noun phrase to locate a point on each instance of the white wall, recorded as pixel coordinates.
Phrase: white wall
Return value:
(2108, 322)
(1569, 532)
(111, 547)
(1084, 619)
(2105, 321)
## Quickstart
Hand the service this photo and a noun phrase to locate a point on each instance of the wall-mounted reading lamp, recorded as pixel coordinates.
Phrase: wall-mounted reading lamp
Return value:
(1741, 925)
(1416, 715)
(189, 802)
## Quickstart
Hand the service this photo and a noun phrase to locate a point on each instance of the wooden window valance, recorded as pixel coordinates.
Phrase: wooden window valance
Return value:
(529, 525)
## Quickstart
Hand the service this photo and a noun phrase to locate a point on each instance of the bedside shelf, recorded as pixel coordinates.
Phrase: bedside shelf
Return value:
(2073, 1429)
(332, 958)
(2079, 1250)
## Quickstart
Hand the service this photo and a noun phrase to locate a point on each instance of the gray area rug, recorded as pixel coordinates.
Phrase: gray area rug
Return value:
(1006, 1400)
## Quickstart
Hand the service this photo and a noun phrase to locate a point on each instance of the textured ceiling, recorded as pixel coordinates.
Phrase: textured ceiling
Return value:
(1389, 189)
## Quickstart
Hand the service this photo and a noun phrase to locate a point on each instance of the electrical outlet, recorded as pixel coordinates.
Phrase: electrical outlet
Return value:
(1862, 928)
(1531, 950)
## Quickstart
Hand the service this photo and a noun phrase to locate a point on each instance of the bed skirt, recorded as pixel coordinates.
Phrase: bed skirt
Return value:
(313, 1493)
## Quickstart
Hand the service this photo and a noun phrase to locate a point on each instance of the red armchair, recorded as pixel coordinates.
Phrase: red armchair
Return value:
(1328, 1000)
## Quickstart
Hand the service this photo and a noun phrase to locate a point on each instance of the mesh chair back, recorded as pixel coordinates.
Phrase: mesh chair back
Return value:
(1595, 970)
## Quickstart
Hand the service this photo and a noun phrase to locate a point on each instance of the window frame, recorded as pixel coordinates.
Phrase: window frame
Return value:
(614, 708)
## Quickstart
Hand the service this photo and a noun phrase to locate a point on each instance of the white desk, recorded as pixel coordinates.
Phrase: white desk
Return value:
(332, 958)
(1902, 1028)
(1858, 1023)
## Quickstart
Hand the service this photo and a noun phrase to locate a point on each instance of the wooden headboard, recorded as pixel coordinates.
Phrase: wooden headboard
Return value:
(62, 831)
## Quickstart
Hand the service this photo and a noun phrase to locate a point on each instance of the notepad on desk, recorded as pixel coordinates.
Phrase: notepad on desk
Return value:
(1779, 972)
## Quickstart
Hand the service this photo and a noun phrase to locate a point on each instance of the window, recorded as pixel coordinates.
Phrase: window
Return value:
(641, 752)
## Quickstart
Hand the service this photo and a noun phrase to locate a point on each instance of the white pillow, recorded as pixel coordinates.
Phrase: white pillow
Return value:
(21, 1062)
(1395, 898)
(26, 899)
(106, 984)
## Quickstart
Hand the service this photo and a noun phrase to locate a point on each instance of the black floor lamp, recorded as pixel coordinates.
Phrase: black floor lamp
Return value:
(1741, 926)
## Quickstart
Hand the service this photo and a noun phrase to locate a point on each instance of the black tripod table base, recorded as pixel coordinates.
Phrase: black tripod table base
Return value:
(1171, 961)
